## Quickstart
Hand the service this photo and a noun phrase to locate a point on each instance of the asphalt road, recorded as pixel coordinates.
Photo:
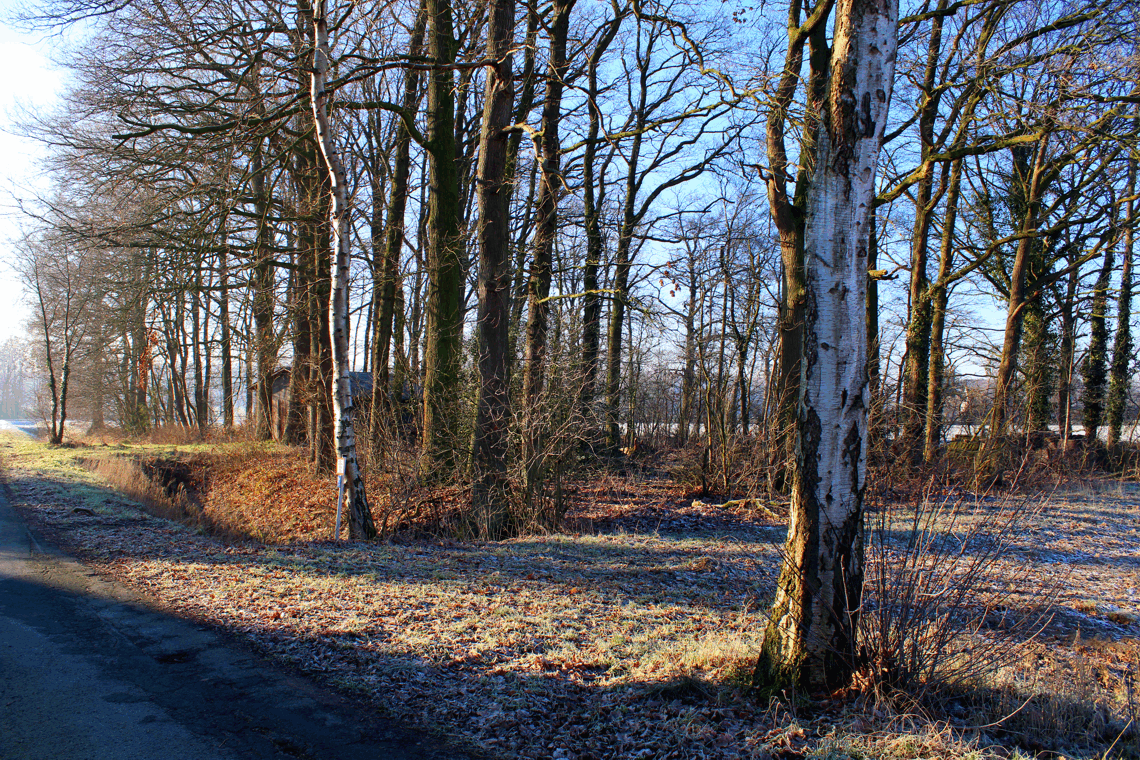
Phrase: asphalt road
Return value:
(20, 427)
(89, 672)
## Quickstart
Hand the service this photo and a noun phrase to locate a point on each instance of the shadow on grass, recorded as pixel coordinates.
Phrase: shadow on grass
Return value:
(554, 703)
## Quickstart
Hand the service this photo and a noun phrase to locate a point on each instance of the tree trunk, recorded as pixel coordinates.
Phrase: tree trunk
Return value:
(489, 499)
(393, 241)
(360, 516)
(546, 228)
(1094, 369)
(919, 326)
(443, 345)
(263, 303)
(875, 426)
(1015, 312)
(226, 339)
(300, 378)
(788, 211)
(1039, 381)
(1067, 349)
(200, 328)
(939, 299)
(140, 338)
(322, 423)
(688, 372)
(811, 636)
(592, 201)
(1122, 343)
(622, 267)
(915, 378)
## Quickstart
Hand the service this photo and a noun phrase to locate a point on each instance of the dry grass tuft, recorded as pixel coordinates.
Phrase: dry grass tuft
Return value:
(128, 475)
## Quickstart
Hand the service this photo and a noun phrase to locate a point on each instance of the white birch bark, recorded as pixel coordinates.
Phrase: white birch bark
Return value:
(811, 637)
(360, 523)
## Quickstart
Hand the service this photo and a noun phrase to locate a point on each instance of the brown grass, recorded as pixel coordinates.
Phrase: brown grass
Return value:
(127, 476)
(623, 639)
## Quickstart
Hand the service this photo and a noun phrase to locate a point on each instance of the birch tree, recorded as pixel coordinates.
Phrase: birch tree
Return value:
(811, 634)
(360, 523)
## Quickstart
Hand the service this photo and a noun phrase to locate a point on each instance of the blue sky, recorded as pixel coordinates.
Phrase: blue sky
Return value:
(31, 81)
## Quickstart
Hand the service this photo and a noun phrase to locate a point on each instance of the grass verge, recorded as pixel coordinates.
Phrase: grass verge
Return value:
(620, 642)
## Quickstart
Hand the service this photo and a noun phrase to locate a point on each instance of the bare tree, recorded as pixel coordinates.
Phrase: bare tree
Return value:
(811, 636)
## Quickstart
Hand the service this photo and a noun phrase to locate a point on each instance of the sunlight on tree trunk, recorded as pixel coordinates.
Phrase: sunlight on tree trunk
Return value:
(360, 523)
(811, 635)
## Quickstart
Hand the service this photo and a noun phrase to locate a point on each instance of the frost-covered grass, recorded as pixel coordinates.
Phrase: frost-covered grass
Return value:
(622, 641)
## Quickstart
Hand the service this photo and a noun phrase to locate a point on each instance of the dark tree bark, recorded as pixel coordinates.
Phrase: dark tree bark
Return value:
(1067, 348)
(263, 276)
(489, 500)
(226, 338)
(919, 323)
(593, 196)
(393, 238)
(1120, 381)
(546, 228)
(939, 298)
(443, 345)
(1094, 368)
(1018, 297)
(788, 209)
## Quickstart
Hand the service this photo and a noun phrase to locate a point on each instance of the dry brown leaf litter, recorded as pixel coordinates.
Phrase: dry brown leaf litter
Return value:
(592, 645)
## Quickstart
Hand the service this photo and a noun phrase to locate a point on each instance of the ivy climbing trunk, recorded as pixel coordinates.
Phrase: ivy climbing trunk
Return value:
(1094, 368)
(1119, 379)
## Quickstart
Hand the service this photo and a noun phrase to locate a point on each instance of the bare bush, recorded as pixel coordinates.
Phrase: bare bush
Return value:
(946, 602)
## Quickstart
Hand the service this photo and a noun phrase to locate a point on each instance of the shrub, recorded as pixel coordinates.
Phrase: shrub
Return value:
(942, 606)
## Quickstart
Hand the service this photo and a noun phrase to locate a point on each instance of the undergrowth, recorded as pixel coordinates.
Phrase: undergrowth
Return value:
(953, 664)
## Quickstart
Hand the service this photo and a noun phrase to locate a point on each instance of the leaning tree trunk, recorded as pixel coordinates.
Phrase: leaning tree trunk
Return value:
(360, 517)
(811, 637)
(1018, 300)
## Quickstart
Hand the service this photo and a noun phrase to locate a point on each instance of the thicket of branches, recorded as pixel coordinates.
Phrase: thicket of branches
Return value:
(640, 291)
(555, 233)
